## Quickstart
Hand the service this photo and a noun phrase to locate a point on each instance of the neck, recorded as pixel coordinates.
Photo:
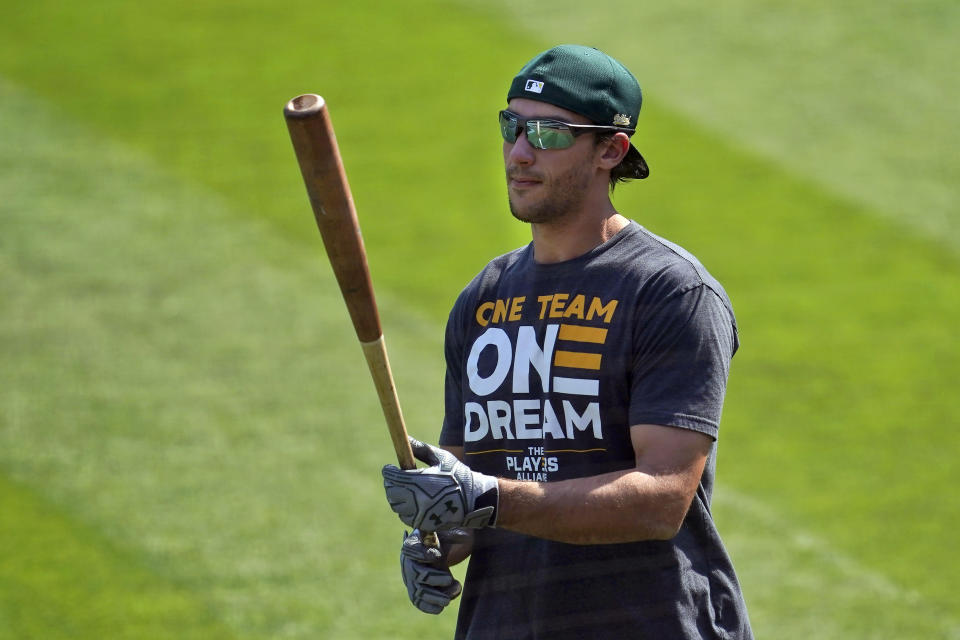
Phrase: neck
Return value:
(573, 236)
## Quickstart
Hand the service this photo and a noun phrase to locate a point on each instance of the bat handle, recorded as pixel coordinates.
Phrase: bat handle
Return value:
(375, 352)
(431, 540)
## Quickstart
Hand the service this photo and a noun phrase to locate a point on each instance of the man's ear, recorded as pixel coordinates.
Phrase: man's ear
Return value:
(613, 150)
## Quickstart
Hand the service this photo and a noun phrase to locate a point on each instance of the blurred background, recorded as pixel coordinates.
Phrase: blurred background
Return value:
(190, 443)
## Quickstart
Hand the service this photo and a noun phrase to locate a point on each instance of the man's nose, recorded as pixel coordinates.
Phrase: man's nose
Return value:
(521, 152)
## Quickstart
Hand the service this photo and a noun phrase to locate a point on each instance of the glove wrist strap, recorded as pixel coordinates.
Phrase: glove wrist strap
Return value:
(487, 502)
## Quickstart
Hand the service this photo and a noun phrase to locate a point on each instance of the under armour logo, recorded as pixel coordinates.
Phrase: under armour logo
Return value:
(451, 508)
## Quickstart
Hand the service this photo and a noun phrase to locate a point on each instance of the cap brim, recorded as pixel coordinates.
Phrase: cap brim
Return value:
(642, 170)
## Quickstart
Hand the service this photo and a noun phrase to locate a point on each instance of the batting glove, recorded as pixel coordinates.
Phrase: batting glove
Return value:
(429, 583)
(445, 495)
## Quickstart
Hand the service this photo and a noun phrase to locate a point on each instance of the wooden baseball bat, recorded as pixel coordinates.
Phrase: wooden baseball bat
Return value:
(315, 144)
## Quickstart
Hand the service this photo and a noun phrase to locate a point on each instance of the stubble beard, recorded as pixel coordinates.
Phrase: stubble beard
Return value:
(562, 195)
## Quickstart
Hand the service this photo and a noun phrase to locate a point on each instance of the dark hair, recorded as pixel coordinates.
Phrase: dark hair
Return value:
(628, 167)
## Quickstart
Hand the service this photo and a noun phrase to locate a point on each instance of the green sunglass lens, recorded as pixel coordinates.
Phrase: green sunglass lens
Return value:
(508, 128)
(544, 135)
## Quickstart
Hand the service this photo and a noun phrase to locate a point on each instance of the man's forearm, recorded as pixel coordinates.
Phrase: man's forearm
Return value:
(648, 502)
(622, 506)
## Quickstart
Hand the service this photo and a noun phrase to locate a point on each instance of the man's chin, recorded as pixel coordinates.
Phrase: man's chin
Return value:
(532, 214)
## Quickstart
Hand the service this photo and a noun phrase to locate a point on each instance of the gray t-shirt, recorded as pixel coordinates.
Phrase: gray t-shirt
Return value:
(548, 366)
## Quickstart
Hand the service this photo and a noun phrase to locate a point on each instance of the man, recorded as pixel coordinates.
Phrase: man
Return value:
(585, 381)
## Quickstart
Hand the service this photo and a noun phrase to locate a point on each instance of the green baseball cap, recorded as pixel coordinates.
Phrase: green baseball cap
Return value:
(588, 82)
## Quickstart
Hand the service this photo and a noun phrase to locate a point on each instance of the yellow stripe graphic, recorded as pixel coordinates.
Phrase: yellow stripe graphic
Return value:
(576, 333)
(577, 360)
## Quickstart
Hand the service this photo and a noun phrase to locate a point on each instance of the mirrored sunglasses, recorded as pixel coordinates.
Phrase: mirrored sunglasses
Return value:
(544, 133)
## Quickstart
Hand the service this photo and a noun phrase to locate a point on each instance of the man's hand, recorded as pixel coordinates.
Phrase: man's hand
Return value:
(445, 495)
(429, 583)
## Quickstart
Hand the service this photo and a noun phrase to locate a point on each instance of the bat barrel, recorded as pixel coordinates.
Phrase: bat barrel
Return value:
(315, 144)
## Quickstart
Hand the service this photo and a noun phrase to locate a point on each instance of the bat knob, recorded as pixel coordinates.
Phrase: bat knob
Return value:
(304, 106)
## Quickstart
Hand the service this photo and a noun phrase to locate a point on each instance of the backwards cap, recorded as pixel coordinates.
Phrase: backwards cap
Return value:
(588, 82)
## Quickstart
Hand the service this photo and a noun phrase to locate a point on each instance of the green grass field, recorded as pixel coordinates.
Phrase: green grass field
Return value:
(189, 441)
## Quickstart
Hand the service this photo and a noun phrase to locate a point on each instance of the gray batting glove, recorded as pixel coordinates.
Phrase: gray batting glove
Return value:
(445, 495)
(429, 583)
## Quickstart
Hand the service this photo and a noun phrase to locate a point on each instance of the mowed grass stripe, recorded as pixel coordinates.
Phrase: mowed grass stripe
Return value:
(188, 387)
(856, 97)
(201, 89)
(59, 579)
(813, 590)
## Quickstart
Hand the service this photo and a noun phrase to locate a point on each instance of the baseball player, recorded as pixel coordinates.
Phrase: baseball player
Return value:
(585, 380)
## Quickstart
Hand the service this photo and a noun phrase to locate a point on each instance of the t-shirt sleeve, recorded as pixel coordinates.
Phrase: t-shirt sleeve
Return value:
(681, 361)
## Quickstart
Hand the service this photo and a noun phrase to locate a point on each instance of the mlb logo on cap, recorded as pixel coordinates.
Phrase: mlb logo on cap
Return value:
(534, 86)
